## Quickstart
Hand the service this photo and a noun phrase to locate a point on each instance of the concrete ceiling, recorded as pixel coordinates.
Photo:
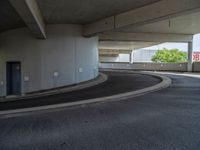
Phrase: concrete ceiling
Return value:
(90, 11)
(85, 11)
(8, 16)
(66, 11)
(187, 24)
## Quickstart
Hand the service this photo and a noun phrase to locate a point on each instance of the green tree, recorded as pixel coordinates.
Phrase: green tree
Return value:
(169, 56)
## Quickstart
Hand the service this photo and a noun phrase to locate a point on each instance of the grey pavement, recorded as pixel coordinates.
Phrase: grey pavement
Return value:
(168, 119)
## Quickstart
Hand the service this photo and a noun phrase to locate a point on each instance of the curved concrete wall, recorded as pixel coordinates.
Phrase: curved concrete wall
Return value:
(65, 53)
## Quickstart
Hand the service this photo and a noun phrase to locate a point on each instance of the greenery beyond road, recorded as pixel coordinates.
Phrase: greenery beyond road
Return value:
(169, 56)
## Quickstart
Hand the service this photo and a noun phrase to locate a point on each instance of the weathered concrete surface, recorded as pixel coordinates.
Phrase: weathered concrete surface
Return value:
(164, 120)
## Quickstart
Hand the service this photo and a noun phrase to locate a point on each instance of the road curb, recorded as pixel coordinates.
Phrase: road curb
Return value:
(123, 96)
(186, 74)
(100, 79)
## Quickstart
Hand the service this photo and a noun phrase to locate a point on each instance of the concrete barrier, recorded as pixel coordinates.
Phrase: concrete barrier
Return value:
(196, 66)
(182, 67)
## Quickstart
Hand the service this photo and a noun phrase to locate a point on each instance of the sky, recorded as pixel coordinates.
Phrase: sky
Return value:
(180, 46)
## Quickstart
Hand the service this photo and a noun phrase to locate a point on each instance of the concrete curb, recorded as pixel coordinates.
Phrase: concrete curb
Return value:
(164, 84)
(186, 74)
(100, 79)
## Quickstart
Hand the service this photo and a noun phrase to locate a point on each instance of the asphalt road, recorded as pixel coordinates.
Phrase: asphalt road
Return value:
(168, 119)
(117, 83)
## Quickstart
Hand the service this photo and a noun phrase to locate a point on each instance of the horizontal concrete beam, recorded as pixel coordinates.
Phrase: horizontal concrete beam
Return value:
(108, 55)
(147, 37)
(158, 11)
(125, 45)
(30, 13)
(114, 51)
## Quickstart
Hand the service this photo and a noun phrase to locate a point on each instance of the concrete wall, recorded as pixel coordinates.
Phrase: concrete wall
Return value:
(119, 58)
(196, 66)
(143, 55)
(65, 52)
(108, 59)
(147, 66)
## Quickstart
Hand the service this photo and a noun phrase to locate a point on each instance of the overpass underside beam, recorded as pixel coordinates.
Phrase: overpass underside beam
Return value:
(30, 13)
(145, 37)
(190, 61)
(155, 12)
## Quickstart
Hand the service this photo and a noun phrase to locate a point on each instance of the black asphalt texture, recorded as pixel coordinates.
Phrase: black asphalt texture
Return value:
(117, 83)
(168, 119)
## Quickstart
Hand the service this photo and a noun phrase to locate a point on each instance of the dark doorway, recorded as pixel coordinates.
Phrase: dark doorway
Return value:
(13, 74)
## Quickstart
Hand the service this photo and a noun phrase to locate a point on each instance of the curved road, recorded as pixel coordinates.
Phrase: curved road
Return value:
(117, 83)
(168, 119)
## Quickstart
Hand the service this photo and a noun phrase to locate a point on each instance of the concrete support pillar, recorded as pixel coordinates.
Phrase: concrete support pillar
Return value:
(130, 58)
(190, 52)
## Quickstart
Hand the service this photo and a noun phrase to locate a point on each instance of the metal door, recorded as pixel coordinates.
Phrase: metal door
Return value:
(13, 78)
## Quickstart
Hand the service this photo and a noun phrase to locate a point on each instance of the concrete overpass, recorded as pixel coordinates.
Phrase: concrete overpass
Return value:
(47, 44)
(52, 95)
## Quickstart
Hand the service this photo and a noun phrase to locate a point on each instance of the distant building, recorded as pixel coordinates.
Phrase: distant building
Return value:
(196, 56)
(143, 55)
